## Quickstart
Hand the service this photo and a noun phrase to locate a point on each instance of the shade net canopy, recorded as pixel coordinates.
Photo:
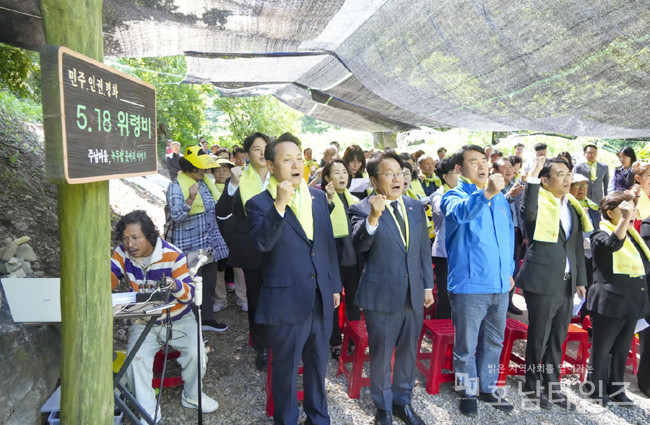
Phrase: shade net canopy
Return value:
(578, 67)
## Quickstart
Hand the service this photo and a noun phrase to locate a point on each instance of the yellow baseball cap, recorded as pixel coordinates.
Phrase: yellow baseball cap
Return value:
(199, 158)
(224, 162)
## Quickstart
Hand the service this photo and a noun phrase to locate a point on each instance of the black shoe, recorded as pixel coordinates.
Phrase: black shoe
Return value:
(602, 400)
(560, 400)
(406, 414)
(497, 401)
(382, 417)
(621, 399)
(213, 325)
(514, 310)
(336, 353)
(262, 359)
(539, 400)
(469, 406)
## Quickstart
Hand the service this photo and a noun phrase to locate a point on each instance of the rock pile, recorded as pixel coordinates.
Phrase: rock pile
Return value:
(18, 259)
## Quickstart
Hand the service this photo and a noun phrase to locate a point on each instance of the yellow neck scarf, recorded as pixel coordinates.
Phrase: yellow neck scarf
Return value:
(433, 179)
(643, 207)
(547, 225)
(411, 194)
(416, 187)
(468, 181)
(627, 260)
(588, 203)
(445, 188)
(300, 205)
(250, 184)
(338, 216)
(186, 181)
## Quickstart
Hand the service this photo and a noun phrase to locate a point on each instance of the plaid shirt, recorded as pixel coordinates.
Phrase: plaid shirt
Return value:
(198, 231)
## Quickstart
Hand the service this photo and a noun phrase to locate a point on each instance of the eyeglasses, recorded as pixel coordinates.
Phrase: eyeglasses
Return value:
(391, 175)
(131, 240)
(581, 185)
(406, 172)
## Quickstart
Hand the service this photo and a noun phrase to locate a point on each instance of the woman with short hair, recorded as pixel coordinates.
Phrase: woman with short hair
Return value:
(618, 296)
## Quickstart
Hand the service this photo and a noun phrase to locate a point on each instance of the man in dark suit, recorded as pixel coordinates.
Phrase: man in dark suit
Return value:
(237, 233)
(390, 231)
(301, 284)
(552, 271)
(596, 172)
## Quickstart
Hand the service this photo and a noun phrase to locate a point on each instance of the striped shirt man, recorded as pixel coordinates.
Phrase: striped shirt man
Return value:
(166, 260)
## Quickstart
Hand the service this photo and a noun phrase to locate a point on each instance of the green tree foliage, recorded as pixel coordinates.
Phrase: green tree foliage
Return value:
(314, 126)
(247, 115)
(180, 107)
(20, 72)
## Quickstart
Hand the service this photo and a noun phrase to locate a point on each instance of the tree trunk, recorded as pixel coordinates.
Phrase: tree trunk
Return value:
(84, 221)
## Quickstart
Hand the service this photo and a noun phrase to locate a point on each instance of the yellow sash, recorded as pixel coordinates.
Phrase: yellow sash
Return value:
(643, 207)
(588, 203)
(300, 205)
(547, 225)
(220, 187)
(186, 181)
(418, 190)
(411, 194)
(250, 184)
(627, 260)
(338, 216)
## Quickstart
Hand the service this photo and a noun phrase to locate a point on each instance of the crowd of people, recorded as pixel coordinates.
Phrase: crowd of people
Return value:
(387, 233)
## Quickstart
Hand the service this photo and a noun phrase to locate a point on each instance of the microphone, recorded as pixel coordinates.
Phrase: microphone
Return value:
(194, 270)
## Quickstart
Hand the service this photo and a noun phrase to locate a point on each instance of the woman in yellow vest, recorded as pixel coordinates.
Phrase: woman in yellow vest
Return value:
(336, 180)
(618, 297)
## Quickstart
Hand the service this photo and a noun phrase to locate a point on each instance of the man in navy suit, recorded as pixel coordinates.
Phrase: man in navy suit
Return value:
(390, 231)
(301, 284)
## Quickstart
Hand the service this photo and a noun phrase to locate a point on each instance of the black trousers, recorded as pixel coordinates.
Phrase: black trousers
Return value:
(440, 270)
(611, 339)
(350, 279)
(643, 375)
(253, 287)
(548, 323)
(290, 344)
(209, 274)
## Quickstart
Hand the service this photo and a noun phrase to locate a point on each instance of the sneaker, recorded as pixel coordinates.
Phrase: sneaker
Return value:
(208, 404)
(230, 286)
(213, 325)
(243, 304)
(469, 406)
(219, 305)
(496, 400)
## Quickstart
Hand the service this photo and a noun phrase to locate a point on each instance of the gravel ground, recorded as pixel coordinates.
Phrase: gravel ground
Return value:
(232, 379)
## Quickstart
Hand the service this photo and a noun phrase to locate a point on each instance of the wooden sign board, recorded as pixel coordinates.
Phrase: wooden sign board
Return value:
(99, 123)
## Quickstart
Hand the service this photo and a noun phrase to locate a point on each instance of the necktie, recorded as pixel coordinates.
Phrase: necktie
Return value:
(400, 220)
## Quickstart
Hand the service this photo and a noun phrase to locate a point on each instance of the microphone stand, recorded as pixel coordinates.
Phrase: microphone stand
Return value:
(198, 300)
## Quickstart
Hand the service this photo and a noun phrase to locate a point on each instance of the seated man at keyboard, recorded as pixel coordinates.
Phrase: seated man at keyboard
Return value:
(144, 258)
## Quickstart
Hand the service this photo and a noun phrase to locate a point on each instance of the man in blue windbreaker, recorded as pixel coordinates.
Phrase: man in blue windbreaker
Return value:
(480, 248)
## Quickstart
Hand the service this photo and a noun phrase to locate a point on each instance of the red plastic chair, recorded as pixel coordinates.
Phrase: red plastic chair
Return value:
(168, 382)
(356, 332)
(441, 334)
(515, 330)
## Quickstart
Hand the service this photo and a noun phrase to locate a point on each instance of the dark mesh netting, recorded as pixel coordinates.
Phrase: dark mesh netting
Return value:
(576, 67)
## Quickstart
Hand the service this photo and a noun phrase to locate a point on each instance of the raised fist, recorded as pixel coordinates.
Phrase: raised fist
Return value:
(235, 175)
(285, 194)
(495, 184)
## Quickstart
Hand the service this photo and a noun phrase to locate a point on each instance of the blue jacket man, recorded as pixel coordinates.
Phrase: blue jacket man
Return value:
(389, 231)
(480, 249)
(301, 285)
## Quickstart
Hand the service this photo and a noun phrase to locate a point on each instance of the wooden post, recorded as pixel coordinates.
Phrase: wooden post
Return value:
(84, 222)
